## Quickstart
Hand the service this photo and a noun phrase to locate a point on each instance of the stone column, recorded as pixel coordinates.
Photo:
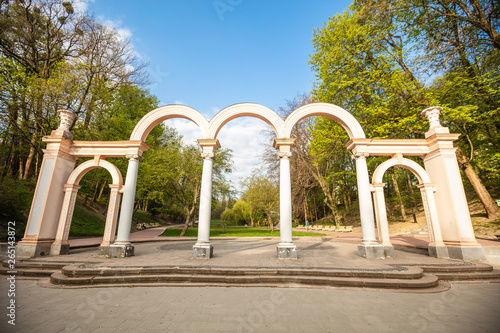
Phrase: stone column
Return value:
(111, 219)
(286, 248)
(61, 245)
(122, 246)
(203, 249)
(369, 247)
(381, 215)
(57, 165)
(452, 208)
(436, 247)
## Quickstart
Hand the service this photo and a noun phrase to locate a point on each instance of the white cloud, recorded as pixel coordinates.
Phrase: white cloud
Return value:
(244, 136)
(190, 131)
(81, 6)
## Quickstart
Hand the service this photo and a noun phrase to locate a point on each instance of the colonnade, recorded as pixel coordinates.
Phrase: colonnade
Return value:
(59, 182)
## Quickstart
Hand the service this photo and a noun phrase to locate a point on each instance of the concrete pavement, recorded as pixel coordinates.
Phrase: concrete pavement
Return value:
(464, 308)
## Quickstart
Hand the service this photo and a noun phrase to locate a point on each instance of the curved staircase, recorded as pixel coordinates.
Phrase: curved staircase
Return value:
(409, 277)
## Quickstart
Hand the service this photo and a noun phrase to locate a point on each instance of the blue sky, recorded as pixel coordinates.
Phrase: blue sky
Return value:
(209, 54)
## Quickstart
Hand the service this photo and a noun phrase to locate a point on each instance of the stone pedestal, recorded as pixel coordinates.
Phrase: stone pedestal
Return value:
(438, 251)
(117, 250)
(471, 253)
(57, 249)
(371, 250)
(203, 251)
(30, 248)
(388, 251)
(286, 251)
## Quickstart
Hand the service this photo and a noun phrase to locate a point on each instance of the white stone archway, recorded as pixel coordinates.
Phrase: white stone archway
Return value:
(369, 247)
(246, 110)
(60, 244)
(156, 116)
(436, 246)
(58, 180)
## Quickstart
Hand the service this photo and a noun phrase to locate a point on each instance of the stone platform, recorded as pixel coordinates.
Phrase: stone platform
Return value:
(253, 262)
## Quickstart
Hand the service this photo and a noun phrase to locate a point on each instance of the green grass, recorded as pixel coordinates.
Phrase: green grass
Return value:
(236, 232)
(86, 223)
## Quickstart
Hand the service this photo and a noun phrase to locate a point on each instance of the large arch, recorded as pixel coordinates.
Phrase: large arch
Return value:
(60, 244)
(344, 118)
(156, 116)
(418, 171)
(246, 110)
(436, 246)
(82, 169)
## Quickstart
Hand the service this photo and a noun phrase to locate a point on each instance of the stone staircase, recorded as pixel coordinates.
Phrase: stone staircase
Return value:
(27, 269)
(416, 277)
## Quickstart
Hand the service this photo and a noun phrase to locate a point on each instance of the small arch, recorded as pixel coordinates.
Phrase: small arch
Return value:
(343, 117)
(154, 117)
(246, 110)
(414, 167)
(85, 167)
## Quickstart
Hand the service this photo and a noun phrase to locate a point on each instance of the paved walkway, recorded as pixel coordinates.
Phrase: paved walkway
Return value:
(153, 234)
(467, 308)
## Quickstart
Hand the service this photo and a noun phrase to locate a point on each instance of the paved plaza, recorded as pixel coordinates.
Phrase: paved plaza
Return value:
(464, 308)
(455, 307)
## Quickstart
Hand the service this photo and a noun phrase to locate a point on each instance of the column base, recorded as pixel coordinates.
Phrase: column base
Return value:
(475, 253)
(286, 251)
(58, 249)
(117, 250)
(440, 251)
(30, 248)
(203, 251)
(371, 250)
(388, 251)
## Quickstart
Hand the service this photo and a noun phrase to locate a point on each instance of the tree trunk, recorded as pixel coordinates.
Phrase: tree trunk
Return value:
(102, 190)
(251, 217)
(489, 204)
(31, 154)
(398, 194)
(270, 220)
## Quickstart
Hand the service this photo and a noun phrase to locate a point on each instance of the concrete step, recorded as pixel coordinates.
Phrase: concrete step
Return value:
(41, 273)
(466, 267)
(35, 265)
(469, 276)
(425, 281)
(399, 273)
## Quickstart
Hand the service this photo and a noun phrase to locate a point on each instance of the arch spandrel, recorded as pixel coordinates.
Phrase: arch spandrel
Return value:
(246, 110)
(85, 167)
(343, 117)
(418, 171)
(156, 116)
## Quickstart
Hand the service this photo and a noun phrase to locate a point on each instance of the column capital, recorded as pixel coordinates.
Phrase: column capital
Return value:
(377, 187)
(284, 154)
(207, 155)
(427, 187)
(359, 154)
(134, 157)
(284, 147)
(209, 146)
(71, 188)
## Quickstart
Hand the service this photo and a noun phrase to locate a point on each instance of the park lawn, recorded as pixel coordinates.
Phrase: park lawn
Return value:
(236, 232)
